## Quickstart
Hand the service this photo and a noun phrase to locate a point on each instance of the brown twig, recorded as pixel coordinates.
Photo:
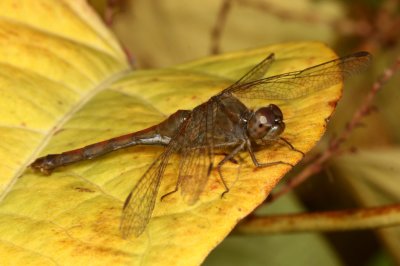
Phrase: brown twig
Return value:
(374, 27)
(377, 33)
(342, 25)
(334, 146)
(357, 219)
(219, 26)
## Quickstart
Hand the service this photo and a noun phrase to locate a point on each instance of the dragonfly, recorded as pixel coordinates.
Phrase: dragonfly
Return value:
(223, 123)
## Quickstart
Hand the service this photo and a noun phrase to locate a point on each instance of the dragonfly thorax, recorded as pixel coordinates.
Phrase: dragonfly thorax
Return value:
(266, 123)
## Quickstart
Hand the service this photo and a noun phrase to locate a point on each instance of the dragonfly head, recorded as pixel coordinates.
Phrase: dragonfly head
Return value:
(266, 123)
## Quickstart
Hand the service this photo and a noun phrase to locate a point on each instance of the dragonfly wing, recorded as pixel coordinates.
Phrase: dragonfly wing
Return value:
(300, 83)
(256, 72)
(198, 152)
(140, 202)
(195, 167)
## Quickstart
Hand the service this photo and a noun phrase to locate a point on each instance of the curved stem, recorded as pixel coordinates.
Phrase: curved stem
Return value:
(345, 220)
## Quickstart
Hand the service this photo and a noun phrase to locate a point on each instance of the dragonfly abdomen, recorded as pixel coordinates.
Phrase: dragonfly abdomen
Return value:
(156, 135)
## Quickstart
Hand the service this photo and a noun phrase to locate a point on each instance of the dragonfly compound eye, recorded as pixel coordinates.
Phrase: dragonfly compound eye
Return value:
(266, 123)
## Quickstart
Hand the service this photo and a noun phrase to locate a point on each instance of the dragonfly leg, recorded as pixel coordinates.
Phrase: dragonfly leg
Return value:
(232, 160)
(291, 146)
(257, 163)
(178, 183)
(228, 157)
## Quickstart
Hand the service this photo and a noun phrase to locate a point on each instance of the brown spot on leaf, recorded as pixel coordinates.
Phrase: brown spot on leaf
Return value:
(256, 169)
(214, 186)
(119, 256)
(333, 104)
(84, 189)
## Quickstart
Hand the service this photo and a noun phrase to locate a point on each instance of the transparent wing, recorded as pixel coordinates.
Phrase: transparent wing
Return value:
(195, 168)
(256, 72)
(140, 203)
(297, 84)
(197, 152)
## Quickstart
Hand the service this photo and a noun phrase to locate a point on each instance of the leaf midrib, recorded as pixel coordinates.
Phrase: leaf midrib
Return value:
(104, 84)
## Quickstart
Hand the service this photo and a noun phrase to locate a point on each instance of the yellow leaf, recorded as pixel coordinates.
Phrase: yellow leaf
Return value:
(64, 84)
